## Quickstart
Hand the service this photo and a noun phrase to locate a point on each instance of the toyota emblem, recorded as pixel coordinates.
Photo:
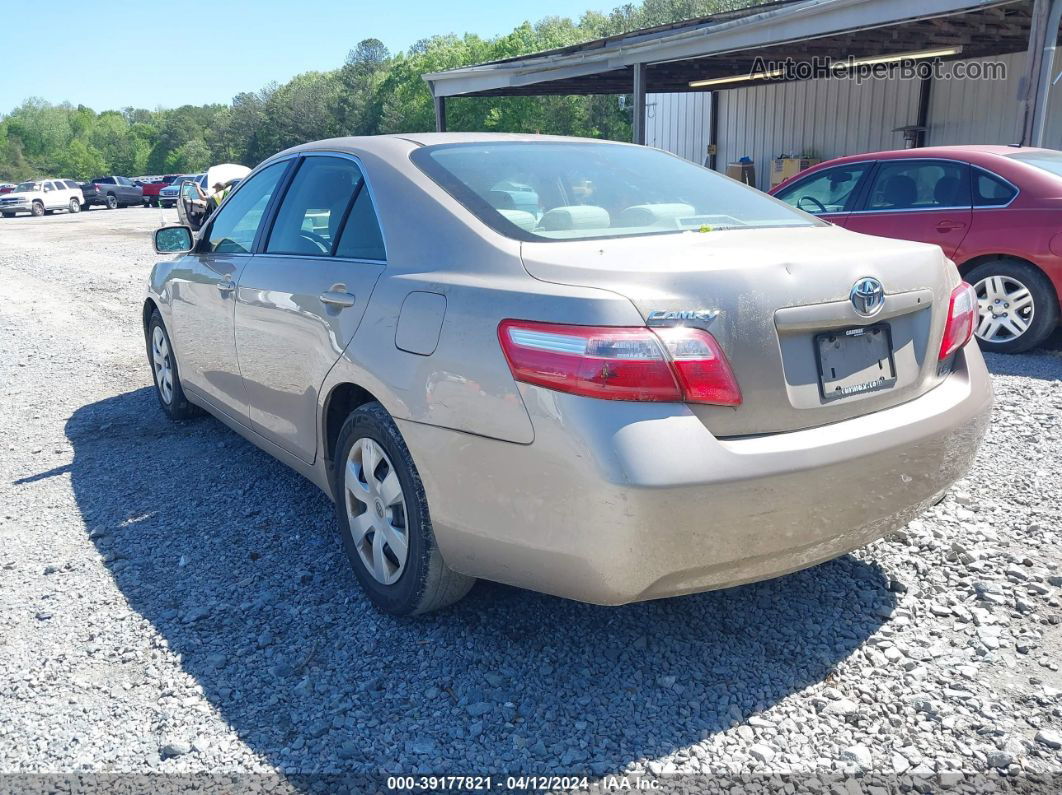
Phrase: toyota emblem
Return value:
(867, 296)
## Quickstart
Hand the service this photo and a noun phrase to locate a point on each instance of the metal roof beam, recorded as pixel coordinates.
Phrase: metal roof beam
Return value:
(798, 22)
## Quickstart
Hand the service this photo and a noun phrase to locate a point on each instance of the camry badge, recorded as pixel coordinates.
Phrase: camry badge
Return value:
(867, 296)
(700, 318)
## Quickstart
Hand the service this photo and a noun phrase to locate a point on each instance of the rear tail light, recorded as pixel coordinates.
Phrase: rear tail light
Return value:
(962, 318)
(671, 365)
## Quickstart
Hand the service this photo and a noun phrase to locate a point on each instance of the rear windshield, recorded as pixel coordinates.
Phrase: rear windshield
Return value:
(577, 191)
(1047, 161)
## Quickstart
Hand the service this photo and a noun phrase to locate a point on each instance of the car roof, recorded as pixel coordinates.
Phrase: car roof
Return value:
(382, 144)
(971, 152)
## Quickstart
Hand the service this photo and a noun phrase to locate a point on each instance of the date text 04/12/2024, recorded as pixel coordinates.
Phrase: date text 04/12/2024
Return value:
(521, 783)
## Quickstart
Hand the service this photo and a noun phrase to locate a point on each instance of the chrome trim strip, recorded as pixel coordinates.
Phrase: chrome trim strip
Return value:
(963, 208)
(362, 260)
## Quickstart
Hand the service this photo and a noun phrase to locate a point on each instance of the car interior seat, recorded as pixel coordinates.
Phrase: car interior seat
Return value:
(575, 216)
(899, 192)
(947, 192)
(657, 215)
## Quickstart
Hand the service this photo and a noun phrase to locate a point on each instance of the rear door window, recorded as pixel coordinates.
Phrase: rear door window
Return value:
(919, 185)
(314, 207)
(361, 237)
(991, 191)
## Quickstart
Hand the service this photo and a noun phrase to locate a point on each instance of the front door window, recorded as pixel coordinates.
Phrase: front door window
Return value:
(826, 192)
(234, 229)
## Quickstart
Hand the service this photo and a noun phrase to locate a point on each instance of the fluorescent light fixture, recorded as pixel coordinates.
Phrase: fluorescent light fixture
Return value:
(943, 52)
(718, 81)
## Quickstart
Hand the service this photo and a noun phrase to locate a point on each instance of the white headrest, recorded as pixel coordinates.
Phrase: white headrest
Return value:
(576, 216)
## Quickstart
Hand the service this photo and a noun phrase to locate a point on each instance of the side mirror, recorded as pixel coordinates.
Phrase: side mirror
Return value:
(173, 240)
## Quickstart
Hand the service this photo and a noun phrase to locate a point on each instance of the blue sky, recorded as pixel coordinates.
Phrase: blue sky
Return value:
(108, 55)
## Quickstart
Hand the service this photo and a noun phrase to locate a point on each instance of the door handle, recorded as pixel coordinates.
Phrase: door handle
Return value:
(226, 287)
(949, 226)
(336, 298)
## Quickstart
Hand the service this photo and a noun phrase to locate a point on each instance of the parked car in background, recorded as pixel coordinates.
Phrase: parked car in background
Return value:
(591, 369)
(42, 197)
(151, 190)
(111, 192)
(7, 187)
(168, 195)
(995, 210)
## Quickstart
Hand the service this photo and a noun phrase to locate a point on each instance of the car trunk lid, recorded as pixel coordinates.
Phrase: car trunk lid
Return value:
(783, 303)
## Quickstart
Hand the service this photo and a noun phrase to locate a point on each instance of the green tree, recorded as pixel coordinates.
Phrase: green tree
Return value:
(193, 155)
(303, 109)
(360, 102)
(80, 161)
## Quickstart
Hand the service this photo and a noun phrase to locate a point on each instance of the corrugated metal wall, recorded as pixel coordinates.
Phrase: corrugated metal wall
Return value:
(830, 118)
(977, 111)
(678, 123)
(821, 118)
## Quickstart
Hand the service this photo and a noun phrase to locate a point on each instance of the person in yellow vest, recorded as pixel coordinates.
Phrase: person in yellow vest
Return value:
(211, 201)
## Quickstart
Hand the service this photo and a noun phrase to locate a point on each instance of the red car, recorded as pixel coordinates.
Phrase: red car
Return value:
(152, 189)
(995, 210)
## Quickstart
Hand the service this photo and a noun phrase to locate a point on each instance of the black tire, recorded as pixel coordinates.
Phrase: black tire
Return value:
(1044, 303)
(112, 201)
(9, 215)
(74, 206)
(37, 210)
(426, 583)
(177, 407)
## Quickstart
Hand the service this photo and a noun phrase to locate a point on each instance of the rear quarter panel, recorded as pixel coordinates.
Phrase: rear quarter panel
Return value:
(434, 245)
(1027, 233)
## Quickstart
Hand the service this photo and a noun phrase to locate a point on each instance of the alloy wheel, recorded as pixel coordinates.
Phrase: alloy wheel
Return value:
(1006, 308)
(160, 359)
(376, 511)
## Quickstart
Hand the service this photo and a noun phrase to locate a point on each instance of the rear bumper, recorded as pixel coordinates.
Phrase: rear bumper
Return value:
(619, 502)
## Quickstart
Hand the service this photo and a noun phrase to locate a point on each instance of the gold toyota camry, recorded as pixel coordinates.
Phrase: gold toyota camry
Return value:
(585, 368)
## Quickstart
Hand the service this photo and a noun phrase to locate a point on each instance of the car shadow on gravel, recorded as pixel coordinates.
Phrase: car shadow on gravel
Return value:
(233, 559)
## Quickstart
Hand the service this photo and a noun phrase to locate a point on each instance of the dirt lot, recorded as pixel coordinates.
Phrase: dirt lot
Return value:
(173, 600)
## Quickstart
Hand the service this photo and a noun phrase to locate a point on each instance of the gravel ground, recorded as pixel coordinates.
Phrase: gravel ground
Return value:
(174, 600)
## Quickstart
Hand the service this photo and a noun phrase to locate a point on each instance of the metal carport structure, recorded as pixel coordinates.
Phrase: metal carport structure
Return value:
(727, 45)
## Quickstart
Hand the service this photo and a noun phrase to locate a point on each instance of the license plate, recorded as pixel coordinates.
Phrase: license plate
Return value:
(855, 361)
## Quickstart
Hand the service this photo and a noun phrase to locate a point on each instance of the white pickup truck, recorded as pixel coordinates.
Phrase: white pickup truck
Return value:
(40, 196)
